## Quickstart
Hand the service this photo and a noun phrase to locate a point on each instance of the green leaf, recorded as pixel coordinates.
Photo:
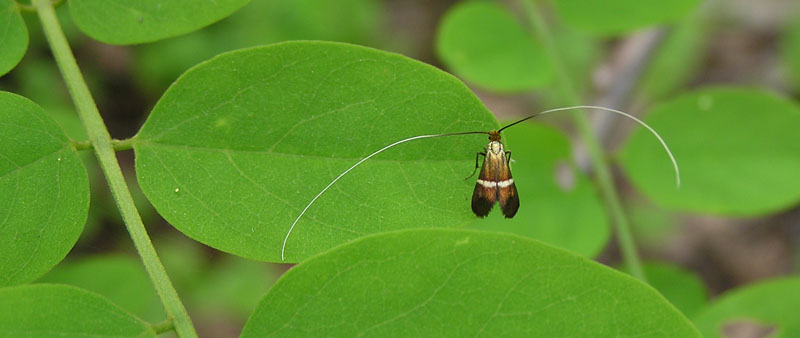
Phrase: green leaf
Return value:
(45, 310)
(571, 217)
(44, 191)
(443, 282)
(682, 288)
(773, 302)
(125, 22)
(237, 147)
(737, 150)
(120, 278)
(13, 36)
(484, 44)
(613, 17)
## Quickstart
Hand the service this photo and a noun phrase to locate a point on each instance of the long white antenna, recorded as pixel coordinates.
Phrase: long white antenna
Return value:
(664, 144)
(283, 247)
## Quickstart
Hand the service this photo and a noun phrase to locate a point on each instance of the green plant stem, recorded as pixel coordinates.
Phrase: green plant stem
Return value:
(597, 155)
(101, 142)
(119, 145)
(162, 327)
(82, 145)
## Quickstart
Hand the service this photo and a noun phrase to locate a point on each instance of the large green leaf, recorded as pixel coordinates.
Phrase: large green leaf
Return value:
(608, 17)
(484, 44)
(456, 283)
(124, 22)
(570, 217)
(13, 36)
(44, 191)
(120, 278)
(235, 149)
(773, 302)
(49, 310)
(738, 152)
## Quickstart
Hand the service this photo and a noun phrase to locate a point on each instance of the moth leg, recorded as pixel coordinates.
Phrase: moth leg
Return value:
(478, 154)
(508, 156)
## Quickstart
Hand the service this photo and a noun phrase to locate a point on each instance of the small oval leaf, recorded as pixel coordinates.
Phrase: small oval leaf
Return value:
(13, 36)
(125, 22)
(44, 191)
(48, 310)
(484, 44)
(737, 150)
(570, 216)
(772, 302)
(611, 17)
(238, 146)
(443, 282)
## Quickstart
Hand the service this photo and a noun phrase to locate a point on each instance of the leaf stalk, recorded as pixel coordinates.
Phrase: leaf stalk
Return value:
(102, 145)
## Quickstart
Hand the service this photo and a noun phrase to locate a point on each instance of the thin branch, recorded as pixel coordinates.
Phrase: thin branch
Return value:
(101, 143)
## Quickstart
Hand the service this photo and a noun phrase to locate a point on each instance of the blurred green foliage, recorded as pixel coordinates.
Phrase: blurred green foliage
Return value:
(158, 64)
(736, 146)
(603, 17)
(485, 45)
(737, 149)
(768, 303)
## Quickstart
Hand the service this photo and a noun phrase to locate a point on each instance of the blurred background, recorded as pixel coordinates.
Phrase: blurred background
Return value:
(719, 42)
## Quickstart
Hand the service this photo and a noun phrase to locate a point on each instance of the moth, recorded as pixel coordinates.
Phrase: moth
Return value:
(494, 184)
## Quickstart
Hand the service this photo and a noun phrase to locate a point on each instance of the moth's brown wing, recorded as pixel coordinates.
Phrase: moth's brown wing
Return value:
(483, 199)
(509, 201)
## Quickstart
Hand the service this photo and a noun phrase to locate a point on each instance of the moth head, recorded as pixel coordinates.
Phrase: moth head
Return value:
(494, 135)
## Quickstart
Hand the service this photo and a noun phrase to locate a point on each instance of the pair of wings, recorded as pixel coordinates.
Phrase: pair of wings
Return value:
(483, 199)
(495, 185)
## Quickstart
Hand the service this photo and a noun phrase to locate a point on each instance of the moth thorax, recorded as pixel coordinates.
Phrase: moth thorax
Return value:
(495, 147)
